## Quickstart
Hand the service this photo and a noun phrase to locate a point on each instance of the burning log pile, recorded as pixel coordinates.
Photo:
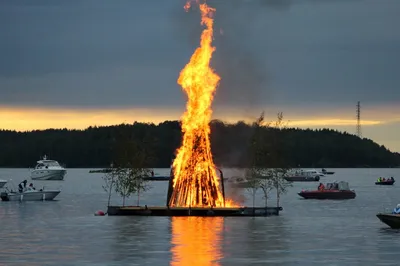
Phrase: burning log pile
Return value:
(198, 190)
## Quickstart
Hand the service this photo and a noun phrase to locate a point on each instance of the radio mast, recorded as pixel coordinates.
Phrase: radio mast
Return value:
(358, 127)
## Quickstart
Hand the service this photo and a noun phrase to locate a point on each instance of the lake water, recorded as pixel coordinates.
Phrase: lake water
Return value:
(308, 232)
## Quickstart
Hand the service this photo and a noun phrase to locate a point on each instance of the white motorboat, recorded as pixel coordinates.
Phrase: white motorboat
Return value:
(2, 183)
(237, 181)
(48, 170)
(304, 175)
(28, 194)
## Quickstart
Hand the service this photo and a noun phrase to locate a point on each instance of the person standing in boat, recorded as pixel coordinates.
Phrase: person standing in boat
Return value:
(396, 210)
(20, 187)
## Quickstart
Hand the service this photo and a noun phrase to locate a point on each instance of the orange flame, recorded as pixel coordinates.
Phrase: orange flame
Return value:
(196, 182)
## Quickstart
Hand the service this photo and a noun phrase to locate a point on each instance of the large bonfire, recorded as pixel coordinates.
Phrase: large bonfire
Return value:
(196, 182)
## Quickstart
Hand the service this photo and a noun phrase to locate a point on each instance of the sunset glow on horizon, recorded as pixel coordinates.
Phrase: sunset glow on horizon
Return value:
(382, 127)
(27, 119)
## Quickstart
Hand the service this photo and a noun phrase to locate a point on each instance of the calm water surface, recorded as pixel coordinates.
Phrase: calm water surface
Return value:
(308, 232)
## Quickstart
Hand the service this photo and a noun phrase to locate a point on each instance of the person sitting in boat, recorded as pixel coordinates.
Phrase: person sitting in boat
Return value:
(379, 179)
(31, 186)
(391, 179)
(383, 179)
(396, 210)
(321, 187)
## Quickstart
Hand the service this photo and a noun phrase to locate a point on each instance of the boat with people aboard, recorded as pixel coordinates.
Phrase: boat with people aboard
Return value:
(304, 176)
(28, 193)
(335, 190)
(48, 170)
(385, 181)
(2, 183)
(391, 219)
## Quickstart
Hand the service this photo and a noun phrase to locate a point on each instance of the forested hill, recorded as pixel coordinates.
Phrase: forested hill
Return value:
(93, 147)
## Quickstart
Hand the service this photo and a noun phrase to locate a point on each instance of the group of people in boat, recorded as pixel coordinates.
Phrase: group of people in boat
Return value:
(396, 210)
(382, 179)
(330, 186)
(22, 186)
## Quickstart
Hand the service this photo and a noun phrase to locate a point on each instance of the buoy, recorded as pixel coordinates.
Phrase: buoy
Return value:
(99, 213)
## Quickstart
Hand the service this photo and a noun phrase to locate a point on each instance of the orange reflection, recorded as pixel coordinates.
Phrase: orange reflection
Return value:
(196, 240)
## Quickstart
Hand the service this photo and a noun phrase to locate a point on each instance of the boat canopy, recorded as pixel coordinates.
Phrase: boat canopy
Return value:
(342, 185)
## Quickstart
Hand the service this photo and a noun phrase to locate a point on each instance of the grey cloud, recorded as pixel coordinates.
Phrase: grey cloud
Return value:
(45, 37)
(129, 53)
(96, 89)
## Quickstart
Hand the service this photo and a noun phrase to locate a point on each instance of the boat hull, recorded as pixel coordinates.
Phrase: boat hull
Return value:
(392, 220)
(157, 178)
(31, 196)
(302, 178)
(48, 174)
(328, 173)
(385, 183)
(2, 183)
(333, 195)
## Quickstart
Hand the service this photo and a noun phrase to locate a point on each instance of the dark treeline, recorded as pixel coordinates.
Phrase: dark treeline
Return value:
(94, 147)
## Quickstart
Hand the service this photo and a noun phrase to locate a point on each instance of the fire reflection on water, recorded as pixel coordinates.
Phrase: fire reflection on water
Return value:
(196, 240)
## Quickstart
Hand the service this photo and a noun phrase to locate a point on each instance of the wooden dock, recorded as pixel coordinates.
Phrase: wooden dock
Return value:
(195, 211)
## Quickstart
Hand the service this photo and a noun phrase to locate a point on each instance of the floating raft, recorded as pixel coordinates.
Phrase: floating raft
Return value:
(186, 211)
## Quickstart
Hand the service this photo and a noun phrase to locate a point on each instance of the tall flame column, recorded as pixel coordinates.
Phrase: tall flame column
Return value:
(195, 181)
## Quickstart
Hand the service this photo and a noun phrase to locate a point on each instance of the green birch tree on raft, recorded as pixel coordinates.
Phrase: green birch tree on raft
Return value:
(129, 172)
(272, 176)
(253, 172)
(280, 168)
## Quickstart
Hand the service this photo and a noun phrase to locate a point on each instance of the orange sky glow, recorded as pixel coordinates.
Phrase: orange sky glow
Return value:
(375, 123)
(26, 119)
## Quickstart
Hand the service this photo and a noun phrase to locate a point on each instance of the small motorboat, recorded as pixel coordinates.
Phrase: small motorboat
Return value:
(304, 176)
(326, 172)
(335, 191)
(237, 181)
(385, 182)
(392, 220)
(157, 178)
(2, 183)
(29, 193)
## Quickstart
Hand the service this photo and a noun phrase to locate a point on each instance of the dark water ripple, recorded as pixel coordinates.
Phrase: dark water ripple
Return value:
(65, 232)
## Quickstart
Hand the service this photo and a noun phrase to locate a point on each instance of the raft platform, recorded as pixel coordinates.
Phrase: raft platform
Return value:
(193, 211)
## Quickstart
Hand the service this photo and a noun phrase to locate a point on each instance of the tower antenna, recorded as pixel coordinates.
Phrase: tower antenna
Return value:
(358, 127)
